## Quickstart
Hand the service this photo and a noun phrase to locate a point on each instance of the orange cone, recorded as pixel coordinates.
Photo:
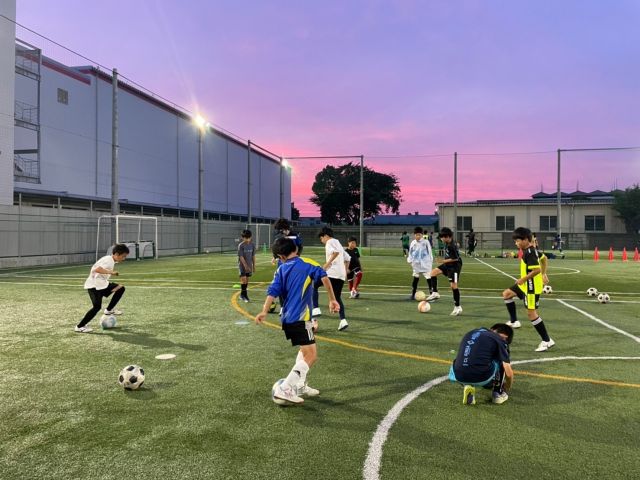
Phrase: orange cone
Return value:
(624, 254)
(596, 255)
(636, 256)
(611, 254)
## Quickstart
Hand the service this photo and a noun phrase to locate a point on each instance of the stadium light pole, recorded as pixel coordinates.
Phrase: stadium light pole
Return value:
(201, 124)
(115, 203)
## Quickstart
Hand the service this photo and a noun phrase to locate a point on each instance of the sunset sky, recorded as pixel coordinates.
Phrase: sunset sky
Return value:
(405, 83)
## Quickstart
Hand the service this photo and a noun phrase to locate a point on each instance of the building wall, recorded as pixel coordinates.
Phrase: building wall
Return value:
(7, 75)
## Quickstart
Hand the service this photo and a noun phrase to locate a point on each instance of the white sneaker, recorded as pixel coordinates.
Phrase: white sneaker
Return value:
(287, 394)
(353, 294)
(83, 329)
(316, 312)
(456, 311)
(499, 398)
(515, 324)
(115, 311)
(545, 345)
(433, 296)
(307, 391)
(343, 325)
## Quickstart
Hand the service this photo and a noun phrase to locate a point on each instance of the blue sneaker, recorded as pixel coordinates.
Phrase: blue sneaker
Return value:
(469, 395)
(499, 398)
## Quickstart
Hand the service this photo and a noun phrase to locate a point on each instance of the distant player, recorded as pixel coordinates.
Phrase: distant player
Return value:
(528, 288)
(471, 242)
(98, 286)
(405, 239)
(283, 229)
(483, 361)
(293, 283)
(450, 268)
(246, 262)
(420, 257)
(336, 267)
(354, 270)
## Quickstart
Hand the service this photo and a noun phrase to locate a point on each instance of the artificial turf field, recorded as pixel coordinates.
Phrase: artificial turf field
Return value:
(208, 413)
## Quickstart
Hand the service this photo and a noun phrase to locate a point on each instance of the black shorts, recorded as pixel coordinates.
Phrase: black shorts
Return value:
(531, 300)
(452, 272)
(243, 273)
(300, 333)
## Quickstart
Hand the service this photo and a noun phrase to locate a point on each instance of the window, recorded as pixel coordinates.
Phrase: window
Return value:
(594, 223)
(464, 223)
(63, 96)
(505, 223)
(548, 223)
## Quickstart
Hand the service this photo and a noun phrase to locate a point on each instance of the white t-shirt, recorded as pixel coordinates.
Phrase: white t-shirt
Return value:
(420, 256)
(100, 281)
(337, 268)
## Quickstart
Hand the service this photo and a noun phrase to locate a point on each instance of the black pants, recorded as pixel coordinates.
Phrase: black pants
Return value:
(96, 297)
(337, 285)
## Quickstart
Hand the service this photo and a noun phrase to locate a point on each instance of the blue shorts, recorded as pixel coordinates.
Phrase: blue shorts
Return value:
(496, 369)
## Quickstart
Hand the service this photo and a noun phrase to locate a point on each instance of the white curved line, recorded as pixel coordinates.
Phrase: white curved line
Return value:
(601, 322)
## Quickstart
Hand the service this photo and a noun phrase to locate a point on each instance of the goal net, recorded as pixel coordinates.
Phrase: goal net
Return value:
(261, 234)
(139, 233)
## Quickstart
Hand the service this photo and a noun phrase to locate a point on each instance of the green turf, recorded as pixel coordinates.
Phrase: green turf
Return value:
(208, 413)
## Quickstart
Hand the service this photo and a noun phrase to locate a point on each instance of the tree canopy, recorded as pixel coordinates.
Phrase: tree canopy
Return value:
(627, 204)
(337, 193)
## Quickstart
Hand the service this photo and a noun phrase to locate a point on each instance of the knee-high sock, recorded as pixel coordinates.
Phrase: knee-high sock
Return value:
(456, 297)
(414, 285)
(430, 284)
(434, 283)
(511, 308)
(541, 329)
(298, 373)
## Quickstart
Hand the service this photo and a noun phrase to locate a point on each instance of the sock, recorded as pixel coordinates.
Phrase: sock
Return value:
(430, 284)
(297, 373)
(414, 285)
(456, 297)
(115, 299)
(511, 308)
(243, 289)
(541, 329)
(357, 280)
(434, 283)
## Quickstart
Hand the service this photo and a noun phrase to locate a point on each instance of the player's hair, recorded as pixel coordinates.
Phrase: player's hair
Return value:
(282, 224)
(522, 233)
(418, 230)
(246, 234)
(505, 330)
(445, 232)
(352, 239)
(283, 247)
(328, 231)
(119, 249)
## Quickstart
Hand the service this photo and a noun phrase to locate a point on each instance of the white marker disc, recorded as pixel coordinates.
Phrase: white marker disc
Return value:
(166, 356)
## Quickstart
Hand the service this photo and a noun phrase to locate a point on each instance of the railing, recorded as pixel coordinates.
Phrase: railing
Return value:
(26, 169)
(26, 113)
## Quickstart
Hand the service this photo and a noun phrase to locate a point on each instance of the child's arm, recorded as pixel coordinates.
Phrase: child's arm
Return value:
(543, 269)
(105, 271)
(265, 309)
(333, 256)
(245, 265)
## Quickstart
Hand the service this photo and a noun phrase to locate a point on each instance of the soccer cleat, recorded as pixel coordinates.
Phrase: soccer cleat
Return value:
(545, 345)
(353, 294)
(411, 297)
(287, 394)
(357, 294)
(115, 311)
(244, 298)
(499, 398)
(469, 395)
(316, 312)
(343, 325)
(307, 391)
(433, 296)
(515, 324)
(83, 329)
(456, 311)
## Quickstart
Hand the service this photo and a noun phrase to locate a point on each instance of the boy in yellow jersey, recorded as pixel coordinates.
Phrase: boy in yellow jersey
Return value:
(528, 287)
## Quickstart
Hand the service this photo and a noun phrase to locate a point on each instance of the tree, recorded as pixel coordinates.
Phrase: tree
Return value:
(627, 204)
(295, 213)
(337, 193)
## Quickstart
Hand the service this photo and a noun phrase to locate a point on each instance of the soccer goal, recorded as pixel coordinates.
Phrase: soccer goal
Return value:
(261, 234)
(139, 233)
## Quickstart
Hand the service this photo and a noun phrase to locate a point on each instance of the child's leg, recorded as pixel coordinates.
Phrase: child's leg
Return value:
(337, 285)
(357, 280)
(538, 324)
(456, 293)
(96, 301)
(244, 281)
(509, 301)
(316, 286)
(117, 295)
(414, 285)
(306, 357)
(434, 279)
(427, 275)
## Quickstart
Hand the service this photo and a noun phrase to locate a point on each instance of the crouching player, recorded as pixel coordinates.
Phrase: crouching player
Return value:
(293, 283)
(483, 361)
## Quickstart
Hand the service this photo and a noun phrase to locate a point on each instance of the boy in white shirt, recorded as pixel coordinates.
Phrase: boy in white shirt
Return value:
(421, 259)
(98, 286)
(336, 268)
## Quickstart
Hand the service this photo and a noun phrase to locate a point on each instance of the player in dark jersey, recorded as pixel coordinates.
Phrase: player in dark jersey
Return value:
(450, 268)
(354, 271)
(528, 287)
(483, 361)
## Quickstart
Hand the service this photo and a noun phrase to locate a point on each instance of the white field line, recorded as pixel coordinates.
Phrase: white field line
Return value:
(149, 287)
(601, 322)
(373, 460)
(496, 269)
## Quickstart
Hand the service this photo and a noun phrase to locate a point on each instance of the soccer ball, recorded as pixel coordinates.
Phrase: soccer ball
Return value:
(592, 292)
(107, 321)
(547, 289)
(424, 306)
(131, 377)
(420, 296)
(277, 401)
(604, 298)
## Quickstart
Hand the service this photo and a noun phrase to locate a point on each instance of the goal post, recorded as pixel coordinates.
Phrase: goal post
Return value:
(261, 234)
(132, 230)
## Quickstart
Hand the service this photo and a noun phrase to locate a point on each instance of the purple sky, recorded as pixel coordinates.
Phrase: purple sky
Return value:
(404, 79)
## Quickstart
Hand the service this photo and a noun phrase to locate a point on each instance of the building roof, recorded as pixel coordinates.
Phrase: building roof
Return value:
(541, 198)
(423, 220)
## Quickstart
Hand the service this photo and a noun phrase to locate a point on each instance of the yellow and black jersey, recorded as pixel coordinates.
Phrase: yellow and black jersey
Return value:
(530, 261)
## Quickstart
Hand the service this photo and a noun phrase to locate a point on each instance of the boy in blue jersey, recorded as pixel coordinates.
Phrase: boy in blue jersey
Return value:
(293, 282)
(483, 361)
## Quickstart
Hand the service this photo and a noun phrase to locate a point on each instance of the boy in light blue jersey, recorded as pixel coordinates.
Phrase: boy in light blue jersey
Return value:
(420, 258)
(293, 282)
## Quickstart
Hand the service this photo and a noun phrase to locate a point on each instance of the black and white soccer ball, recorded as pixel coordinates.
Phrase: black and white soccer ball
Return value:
(131, 377)
(547, 289)
(604, 298)
(592, 292)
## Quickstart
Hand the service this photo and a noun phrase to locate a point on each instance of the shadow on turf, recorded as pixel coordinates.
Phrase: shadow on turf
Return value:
(149, 340)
